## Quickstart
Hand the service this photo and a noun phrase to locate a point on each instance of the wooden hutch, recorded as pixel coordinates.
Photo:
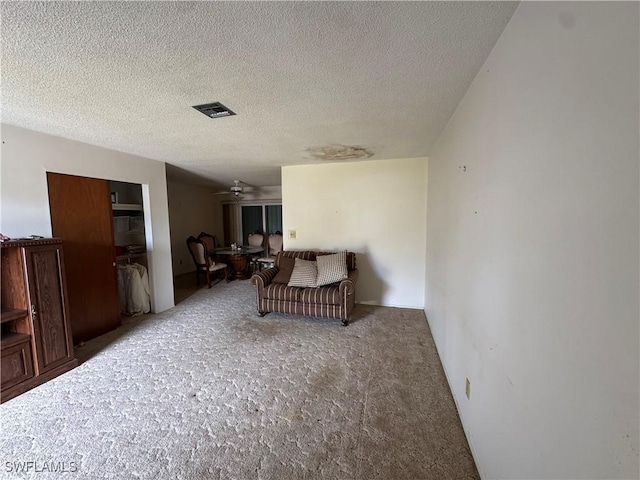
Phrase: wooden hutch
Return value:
(36, 343)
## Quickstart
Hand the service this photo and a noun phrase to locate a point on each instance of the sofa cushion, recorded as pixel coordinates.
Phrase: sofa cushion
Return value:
(280, 291)
(331, 268)
(327, 295)
(285, 269)
(351, 259)
(304, 274)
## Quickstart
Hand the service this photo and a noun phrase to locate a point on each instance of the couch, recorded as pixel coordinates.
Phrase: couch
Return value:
(331, 301)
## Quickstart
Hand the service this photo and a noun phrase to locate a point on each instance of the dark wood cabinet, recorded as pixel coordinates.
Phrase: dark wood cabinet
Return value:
(36, 334)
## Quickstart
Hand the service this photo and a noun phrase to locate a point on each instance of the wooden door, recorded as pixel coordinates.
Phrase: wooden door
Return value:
(81, 215)
(48, 306)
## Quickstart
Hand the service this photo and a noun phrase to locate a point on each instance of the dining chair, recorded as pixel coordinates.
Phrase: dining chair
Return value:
(275, 246)
(255, 240)
(204, 262)
(211, 241)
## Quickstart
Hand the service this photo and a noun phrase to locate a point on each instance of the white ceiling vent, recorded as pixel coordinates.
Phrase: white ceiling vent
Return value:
(214, 110)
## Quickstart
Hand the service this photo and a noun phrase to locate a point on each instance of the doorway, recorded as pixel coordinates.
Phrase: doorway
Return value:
(93, 216)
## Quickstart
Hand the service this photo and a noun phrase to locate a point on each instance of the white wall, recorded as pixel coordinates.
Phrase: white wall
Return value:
(374, 208)
(27, 156)
(532, 287)
(191, 210)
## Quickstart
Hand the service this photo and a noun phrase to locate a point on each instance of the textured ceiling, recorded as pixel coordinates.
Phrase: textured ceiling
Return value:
(301, 76)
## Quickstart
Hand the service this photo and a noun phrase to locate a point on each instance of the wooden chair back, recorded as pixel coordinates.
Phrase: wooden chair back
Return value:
(209, 240)
(198, 251)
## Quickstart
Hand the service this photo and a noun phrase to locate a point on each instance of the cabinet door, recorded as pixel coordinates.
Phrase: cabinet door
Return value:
(17, 364)
(48, 309)
(81, 215)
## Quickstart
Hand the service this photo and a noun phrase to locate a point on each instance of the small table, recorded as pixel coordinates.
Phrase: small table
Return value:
(239, 259)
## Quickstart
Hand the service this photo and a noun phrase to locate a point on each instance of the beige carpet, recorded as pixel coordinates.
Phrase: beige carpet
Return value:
(209, 390)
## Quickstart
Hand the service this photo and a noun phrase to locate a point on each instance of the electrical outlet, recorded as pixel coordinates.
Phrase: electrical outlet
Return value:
(467, 389)
(292, 234)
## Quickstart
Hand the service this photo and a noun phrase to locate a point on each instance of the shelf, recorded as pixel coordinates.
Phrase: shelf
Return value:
(127, 206)
(11, 338)
(130, 256)
(9, 314)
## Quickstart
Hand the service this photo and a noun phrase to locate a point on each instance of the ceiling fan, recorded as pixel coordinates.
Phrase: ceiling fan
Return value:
(235, 190)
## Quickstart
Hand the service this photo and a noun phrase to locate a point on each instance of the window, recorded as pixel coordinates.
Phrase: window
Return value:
(260, 218)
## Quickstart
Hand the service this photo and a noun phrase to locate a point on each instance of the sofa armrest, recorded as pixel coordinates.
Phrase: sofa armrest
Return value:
(264, 278)
(348, 285)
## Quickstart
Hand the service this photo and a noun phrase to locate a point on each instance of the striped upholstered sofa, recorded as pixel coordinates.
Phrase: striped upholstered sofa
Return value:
(332, 301)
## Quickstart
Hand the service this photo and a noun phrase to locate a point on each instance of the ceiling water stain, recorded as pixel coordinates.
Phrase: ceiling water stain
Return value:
(340, 152)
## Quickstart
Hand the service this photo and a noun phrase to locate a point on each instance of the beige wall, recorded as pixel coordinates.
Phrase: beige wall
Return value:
(532, 287)
(27, 156)
(374, 208)
(191, 210)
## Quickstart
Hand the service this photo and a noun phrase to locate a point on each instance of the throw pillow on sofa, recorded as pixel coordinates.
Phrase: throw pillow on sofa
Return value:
(285, 269)
(304, 274)
(331, 268)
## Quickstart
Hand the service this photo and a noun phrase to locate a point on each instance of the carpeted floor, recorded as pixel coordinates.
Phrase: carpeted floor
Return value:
(208, 390)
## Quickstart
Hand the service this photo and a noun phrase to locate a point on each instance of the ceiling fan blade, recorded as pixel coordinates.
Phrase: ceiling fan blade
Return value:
(238, 189)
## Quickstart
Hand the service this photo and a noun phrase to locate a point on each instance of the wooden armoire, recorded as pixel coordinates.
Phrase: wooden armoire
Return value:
(36, 343)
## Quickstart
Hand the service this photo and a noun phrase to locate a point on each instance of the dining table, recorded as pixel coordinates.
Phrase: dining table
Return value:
(239, 258)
